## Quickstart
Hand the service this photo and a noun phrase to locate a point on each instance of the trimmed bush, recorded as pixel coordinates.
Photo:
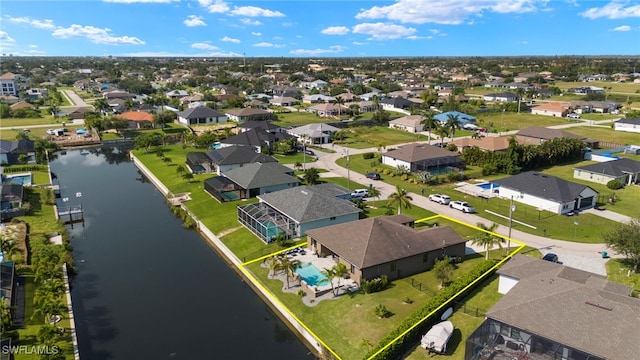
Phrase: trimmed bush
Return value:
(374, 285)
(368, 155)
(615, 184)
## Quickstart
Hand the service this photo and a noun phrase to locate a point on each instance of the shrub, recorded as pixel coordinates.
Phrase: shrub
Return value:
(614, 184)
(374, 163)
(382, 312)
(374, 285)
(368, 155)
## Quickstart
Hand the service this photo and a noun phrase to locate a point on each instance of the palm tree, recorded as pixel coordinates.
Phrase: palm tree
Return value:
(400, 198)
(275, 265)
(429, 122)
(443, 132)
(129, 104)
(311, 176)
(339, 102)
(339, 270)
(9, 248)
(289, 266)
(487, 239)
(330, 275)
(101, 106)
(374, 192)
(452, 124)
(519, 92)
(376, 102)
(180, 170)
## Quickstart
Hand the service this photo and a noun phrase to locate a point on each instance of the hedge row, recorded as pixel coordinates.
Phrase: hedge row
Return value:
(22, 168)
(446, 295)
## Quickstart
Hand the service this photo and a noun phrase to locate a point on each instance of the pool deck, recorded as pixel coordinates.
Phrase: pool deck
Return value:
(475, 190)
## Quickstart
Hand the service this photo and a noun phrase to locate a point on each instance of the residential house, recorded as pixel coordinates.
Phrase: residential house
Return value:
(137, 119)
(318, 99)
(410, 123)
(36, 93)
(225, 159)
(284, 101)
(257, 138)
(462, 117)
(501, 97)
(485, 143)
(248, 114)
(251, 180)
(293, 212)
(625, 170)
(396, 104)
(10, 151)
(328, 109)
(176, 94)
(117, 94)
(268, 126)
(629, 125)
(256, 104)
(546, 192)
(419, 157)
(536, 135)
(385, 245)
(78, 113)
(581, 107)
(551, 311)
(8, 84)
(21, 105)
(201, 115)
(11, 198)
(551, 109)
(314, 133)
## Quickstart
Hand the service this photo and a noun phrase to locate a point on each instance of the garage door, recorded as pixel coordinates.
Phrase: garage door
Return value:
(586, 202)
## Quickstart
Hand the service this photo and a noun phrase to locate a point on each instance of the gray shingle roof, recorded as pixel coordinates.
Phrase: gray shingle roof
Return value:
(306, 203)
(633, 121)
(615, 168)
(572, 307)
(382, 239)
(543, 186)
(421, 152)
(200, 112)
(254, 137)
(547, 133)
(256, 175)
(238, 155)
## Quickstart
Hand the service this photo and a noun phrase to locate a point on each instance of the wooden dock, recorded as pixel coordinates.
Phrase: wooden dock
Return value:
(71, 215)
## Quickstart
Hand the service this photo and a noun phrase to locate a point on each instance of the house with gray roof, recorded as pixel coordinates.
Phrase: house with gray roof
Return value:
(256, 138)
(11, 151)
(385, 245)
(629, 125)
(536, 135)
(231, 157)
(250, 181)
(546, 192)
(294, 211)
(201, 115)
(422, 157)
(318, 133)
(625, 170)
(248, 114)
(550, 311)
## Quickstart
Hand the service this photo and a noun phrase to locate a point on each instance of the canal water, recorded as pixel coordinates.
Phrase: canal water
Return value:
(146, 288)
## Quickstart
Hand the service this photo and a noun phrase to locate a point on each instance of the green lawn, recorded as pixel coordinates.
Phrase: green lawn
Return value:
(621, 271)
(616, 87)
(19, 123)
(607, 134)
(363, 137)
(556, 226)
(507, 121)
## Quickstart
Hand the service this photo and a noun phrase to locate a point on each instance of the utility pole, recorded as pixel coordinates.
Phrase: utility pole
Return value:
(512, 208)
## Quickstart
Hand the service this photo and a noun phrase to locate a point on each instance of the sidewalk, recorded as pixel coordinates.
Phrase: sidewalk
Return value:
(578, 255)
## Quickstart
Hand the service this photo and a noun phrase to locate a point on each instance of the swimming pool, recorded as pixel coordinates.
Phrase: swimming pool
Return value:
(20, 179)
(311, 274)
(488, 186)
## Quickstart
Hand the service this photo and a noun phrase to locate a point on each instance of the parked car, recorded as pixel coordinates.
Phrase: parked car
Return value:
(469, 126)
(440, 198)
(462, 206)
(573, 116)
(373, 176)
(309, 152)
(551, 257)
(359, 193)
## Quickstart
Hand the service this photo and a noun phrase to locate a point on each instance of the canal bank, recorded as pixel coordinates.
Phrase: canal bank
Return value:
(234, 262)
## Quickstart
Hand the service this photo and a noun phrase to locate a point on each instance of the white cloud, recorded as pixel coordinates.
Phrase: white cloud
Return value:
(359, 43)
(525, 42)
(40, 24)
(445, 11)
(139, 1)
(613, 10)
(434, 31)
(5, 38)
(194, 20)
(315, 52)
(383, 31)
(96, 35)
(254, 33)
(269, 45)
(248, 21)
(184, 55)
(254, 11)
(216, 7)
(622, 28)
(204, 46)
(415, 37)
(335, 30)
(231, 40)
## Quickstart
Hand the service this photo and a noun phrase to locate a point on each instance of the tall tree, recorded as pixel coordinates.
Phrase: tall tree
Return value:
(339, 102)
(486, 239)
(101, 105)
(311, 176)
(289, 266)
(400, 198)
(443, 271)
(452, 124)
(429, 122)
(625, 239)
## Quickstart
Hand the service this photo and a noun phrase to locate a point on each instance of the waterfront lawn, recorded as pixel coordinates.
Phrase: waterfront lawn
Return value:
(345, 323)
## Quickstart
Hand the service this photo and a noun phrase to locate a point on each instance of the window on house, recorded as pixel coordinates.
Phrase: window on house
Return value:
(332, 218)
(353, 269)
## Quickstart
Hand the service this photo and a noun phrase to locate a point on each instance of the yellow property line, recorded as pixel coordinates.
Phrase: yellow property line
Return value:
(275, 300)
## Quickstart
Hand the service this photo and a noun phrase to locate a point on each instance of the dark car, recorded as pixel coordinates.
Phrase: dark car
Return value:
(373, 176)
(309, 152)
(551, 257)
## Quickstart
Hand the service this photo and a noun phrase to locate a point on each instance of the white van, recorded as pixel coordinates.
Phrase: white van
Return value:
(359, 193)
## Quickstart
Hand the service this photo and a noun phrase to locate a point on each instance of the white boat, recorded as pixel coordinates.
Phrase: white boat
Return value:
(436, 339)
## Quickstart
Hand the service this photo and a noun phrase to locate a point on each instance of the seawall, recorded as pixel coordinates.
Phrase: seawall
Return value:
(234, 262)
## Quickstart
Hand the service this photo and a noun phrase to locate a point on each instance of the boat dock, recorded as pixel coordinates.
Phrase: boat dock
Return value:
(70, 215)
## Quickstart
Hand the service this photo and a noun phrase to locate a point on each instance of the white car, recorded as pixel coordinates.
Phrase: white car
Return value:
(359, 193)
(573, 116)
(462, 206)
(440, 198)
(470, 126)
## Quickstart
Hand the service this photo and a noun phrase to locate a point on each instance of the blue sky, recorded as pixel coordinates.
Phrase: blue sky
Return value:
(307, 28)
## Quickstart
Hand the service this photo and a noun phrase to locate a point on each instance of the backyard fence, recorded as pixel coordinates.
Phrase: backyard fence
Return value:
(422, 287)
(469, 309)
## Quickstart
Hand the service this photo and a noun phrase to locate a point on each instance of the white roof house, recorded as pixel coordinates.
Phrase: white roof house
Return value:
(314, 133)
